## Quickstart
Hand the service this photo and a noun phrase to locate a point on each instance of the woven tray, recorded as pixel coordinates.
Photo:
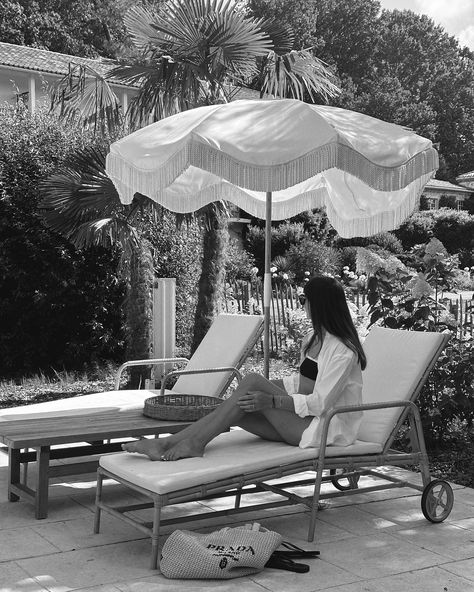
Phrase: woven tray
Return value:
(180, 407)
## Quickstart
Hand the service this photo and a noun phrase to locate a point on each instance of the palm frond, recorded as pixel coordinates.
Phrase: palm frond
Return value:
(138, 23)
(78, 192)
(195, 47)
(281, 35)
(106, 232)
(80, 202)
(85, 95)
(296, 73)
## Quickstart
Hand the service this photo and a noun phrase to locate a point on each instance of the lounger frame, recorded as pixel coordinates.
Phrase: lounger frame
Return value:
(352, 468)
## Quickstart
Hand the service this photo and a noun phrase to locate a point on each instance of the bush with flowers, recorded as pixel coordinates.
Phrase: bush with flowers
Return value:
(405, 295)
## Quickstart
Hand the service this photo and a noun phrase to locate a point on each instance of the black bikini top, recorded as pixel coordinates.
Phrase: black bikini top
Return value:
(309, 368)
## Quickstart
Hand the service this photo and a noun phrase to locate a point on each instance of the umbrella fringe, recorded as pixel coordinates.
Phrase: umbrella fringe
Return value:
(264, 178)
(374, 223)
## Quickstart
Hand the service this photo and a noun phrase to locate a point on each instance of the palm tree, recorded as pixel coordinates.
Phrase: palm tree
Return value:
(190, 53)
(81, 203)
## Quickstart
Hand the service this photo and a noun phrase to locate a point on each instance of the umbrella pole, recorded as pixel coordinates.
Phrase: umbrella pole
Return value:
(267, 285)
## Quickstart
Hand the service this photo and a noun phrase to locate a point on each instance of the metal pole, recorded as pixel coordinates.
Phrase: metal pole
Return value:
(267, 285)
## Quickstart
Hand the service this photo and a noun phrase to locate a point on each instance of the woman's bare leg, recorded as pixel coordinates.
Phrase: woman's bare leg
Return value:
(226, 414)
(269, 423)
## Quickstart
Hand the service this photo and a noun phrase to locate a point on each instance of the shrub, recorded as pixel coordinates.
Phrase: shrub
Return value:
(239, 263)
(454, 228)
(313, 257)
(59, 307)
(316, 224)
(283, 236)
(400, 298)
(447, 400)
(348, 257)
(386, 240)
(177, 254)
(298, 326)
(417, 229)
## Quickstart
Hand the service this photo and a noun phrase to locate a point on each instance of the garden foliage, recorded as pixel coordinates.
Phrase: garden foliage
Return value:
(401, 297)
(58, 307)
(455, 229)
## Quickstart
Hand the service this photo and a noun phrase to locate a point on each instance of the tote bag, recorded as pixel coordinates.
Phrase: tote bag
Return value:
(223, 554)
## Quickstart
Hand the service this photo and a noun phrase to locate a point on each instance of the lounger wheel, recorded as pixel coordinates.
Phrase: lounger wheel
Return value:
(437, 500)
(344, 483)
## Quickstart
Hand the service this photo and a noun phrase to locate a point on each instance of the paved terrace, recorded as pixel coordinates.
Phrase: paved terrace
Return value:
(372, 542)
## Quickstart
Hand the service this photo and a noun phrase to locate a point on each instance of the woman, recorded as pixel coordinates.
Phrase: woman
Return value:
(289, 410)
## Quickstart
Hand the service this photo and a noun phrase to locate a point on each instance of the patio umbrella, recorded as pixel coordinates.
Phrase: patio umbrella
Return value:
(273, 159)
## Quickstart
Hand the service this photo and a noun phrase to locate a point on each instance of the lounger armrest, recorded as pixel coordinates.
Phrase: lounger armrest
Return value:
(148, 362)
(363, 407)
(200, 371)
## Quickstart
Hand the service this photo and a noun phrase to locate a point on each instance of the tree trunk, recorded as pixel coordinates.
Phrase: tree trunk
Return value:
(139, 313)
(211, 281)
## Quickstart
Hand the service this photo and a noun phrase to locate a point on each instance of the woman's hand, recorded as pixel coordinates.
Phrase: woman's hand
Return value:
(255, 401)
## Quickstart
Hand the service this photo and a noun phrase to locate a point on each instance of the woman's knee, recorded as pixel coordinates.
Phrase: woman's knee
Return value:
(252, 380)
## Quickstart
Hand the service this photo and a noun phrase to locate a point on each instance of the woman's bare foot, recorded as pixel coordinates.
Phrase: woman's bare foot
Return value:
(187, 448)
(154, 449)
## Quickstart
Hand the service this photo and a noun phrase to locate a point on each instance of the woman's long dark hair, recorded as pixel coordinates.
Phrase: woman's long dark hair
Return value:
(329, 311)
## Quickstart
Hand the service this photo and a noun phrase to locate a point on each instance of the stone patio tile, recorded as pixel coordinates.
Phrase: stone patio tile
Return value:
(15, 579)
(354, 520)
(467, 523)
(86, 568)
(377, 555)
(161, 584)
(119, 495)
(433, 579)
(446, 539)
(294, 528)
(321, 576)
(373, 496)
(22, 513)
(407, 512)
(104, 588)
(464, 495)
(24, 542)
(68, 535)
(464, 569)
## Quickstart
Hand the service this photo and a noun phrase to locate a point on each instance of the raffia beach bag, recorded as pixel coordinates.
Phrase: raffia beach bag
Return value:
(223, 554)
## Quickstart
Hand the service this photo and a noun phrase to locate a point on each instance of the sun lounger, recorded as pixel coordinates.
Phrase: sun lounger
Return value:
(45, 431)
(216, 360)
(398, 365)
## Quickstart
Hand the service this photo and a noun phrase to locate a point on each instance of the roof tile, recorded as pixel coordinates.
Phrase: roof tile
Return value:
(42, 60)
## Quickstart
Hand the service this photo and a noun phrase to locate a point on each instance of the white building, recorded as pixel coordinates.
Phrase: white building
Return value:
(26, 73)
(435, 190)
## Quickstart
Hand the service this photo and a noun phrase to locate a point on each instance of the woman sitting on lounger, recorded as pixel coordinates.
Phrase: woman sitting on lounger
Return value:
(289, 410)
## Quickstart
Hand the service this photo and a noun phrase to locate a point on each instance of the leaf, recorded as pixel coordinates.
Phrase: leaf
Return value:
(391, 322)
(372, 298)
(422, 313)
(296, 73)
(85, 95)
(387, 303)
(372, 283)
(375, 316)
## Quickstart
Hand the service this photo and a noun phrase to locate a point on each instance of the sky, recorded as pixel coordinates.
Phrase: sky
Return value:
(456, 16)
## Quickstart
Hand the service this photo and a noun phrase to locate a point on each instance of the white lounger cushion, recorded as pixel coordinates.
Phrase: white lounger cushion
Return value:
(231, 454)
(225, 344)
(401, 360)
(82, 405)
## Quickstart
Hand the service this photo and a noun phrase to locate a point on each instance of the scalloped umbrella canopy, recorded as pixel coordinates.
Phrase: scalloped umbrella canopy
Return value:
(274, 159)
